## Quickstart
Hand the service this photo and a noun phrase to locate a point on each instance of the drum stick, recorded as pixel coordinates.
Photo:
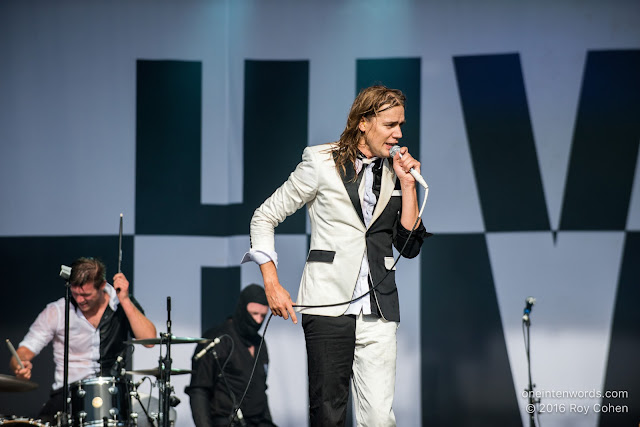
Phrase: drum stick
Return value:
(120, 247)
(14, 353)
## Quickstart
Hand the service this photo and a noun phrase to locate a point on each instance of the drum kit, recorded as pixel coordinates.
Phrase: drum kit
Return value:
(111, 401)
(114, 401)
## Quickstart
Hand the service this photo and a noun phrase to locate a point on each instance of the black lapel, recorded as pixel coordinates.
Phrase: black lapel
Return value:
(352, 187)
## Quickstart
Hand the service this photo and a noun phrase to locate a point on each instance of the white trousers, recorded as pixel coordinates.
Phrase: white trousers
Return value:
(374, 371)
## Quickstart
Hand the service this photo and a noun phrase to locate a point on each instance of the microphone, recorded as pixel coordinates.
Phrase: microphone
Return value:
(529, 301)
(396, 150)
(139, 383)
(117, 367)
(174, 401)
(240, 418)
(206, 349)
(65, 272)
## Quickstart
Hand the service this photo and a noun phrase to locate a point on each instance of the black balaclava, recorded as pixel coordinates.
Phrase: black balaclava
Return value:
(243, 322)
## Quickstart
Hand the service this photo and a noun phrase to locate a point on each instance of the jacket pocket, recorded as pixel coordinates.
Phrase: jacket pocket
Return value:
(318, 255)
(388, 262)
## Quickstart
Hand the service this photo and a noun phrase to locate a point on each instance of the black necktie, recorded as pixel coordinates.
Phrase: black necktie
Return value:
(377, 177)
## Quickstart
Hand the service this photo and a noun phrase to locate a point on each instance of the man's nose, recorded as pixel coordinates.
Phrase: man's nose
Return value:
(398, 133)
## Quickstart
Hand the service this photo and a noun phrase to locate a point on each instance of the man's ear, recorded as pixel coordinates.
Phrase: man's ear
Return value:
(362, 125)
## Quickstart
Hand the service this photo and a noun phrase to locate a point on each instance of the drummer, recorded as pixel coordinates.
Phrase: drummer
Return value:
(101, 317)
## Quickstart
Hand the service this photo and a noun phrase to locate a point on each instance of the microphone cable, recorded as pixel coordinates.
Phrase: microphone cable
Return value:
(415, 225)
(234, 413)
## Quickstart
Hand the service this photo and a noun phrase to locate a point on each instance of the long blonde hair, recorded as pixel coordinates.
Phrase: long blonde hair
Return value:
(368, 103)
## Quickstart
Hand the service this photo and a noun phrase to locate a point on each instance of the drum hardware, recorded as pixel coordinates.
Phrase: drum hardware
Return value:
(164, 380)
(135, 410)
(174, 340)
(163, 416)
(156, 372)
(148, 405)
(82, 415)
(20, 421)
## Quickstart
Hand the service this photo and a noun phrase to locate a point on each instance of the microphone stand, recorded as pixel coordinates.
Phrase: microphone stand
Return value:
(63, 418)
(533, 402)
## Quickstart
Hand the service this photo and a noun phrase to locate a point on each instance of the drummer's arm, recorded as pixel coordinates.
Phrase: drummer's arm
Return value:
(25, 357)
(141, 326)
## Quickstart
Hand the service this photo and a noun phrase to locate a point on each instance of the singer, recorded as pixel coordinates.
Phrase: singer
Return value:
(101, 317)
(219, 379)
(361, 202)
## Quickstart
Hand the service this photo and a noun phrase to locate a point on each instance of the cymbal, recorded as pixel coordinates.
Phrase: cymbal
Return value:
(174, 340)
(9, 383)
(156, 372)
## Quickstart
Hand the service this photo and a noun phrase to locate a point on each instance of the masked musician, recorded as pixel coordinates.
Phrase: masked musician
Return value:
(221, 375)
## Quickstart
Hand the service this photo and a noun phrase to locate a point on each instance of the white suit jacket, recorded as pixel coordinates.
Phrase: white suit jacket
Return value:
(339, 237)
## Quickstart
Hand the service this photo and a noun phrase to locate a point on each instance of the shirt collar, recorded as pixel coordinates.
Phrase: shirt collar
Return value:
(367, 161)
(113, 296)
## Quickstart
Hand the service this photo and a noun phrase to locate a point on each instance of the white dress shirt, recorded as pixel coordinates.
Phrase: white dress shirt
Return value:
(368, 202)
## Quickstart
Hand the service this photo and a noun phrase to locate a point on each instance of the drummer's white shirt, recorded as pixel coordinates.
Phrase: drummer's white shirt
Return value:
(84, 345)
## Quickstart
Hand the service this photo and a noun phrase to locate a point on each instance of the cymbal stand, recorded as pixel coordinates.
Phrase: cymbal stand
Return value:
(164, 383)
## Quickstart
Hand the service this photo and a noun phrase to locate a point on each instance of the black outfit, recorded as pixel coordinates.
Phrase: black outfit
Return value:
(114, 330)
(220, 377)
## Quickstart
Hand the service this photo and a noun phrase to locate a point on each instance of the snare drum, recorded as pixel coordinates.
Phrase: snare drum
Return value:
(101, 401)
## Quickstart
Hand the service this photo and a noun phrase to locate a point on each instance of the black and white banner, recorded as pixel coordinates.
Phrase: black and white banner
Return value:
(185, 115)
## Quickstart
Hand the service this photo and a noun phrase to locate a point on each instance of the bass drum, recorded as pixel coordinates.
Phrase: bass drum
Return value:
(101, 401)
(151, 405)
(13, 421)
